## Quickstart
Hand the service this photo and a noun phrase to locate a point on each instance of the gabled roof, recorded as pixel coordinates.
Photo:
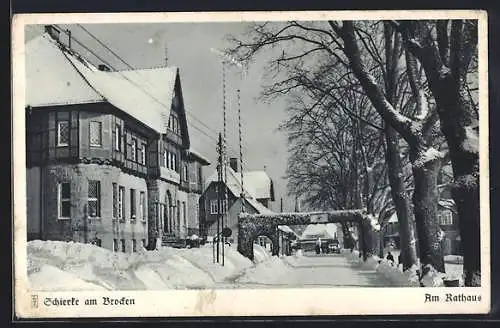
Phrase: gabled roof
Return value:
(261, 209)
(234, 186)
(145, 94)
(233, 183)
(320, 230)
(259, 182)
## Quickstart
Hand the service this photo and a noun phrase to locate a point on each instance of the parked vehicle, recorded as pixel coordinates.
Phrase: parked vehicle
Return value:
(334, 248)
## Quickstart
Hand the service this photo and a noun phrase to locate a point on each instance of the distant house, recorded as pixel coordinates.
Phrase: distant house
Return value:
(109, 159)
(448, 220)
(258, 193)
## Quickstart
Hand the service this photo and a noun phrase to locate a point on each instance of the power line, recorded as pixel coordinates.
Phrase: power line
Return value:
(134, 83)
(138, 73)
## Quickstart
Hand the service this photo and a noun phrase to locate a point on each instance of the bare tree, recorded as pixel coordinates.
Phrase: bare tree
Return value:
(344, 47)
(446, 49)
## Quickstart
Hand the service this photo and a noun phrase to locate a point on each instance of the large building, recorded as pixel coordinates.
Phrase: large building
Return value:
(109, 159)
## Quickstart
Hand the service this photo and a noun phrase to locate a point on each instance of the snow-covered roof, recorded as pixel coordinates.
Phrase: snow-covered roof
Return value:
(393, 218)
(145, 94)
(447, 203)
(259, 182)
(261, 209)
(286, 229)
(233, 183)
(323, 230)
(197, 154)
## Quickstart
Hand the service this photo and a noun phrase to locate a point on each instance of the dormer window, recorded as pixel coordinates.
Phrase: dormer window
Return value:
(173, 124)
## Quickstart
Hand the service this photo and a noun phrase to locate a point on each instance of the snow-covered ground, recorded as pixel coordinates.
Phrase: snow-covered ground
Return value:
(60, 266)
(409, 278)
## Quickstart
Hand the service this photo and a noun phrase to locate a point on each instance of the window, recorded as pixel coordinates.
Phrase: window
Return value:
(184, 213)
(118, 137)
(143, 154)
(134, 150)
(94, 199)
(186, 172)
(64, 200)
(164, 158)
(132, 204)
(142, 207)
(178, 213)
(95, 134)
(213, 206)
(134, 245)
(123, 246)
(446, 218)
(115, 201)
(121, 206)
(169, 160)
(62, 133)
(115, 245)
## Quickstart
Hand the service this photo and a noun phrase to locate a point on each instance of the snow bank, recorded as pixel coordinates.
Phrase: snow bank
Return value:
(57, 266)
(408, 278)
(271, 271)
(50, 278)
(260, 254)
(396, 276)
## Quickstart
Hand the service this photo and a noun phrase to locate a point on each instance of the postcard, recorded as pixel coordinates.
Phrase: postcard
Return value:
(250, 164)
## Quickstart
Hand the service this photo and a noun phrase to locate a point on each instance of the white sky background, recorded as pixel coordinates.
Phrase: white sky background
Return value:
(189, 44)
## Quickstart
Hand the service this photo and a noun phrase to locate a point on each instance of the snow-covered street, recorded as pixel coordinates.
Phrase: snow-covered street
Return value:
(307, 271)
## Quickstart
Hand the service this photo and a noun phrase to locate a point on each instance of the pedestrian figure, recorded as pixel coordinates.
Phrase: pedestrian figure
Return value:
(390, 257)
(318, 246)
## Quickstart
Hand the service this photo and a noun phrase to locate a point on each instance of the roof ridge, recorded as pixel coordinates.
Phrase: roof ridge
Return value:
(152, 68)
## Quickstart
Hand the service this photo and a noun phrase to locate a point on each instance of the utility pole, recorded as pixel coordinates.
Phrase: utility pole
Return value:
(281, 204)
(220, 185)
(228, 60)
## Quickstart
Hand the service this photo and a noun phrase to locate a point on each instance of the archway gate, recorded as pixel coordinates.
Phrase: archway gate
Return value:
(251, 226)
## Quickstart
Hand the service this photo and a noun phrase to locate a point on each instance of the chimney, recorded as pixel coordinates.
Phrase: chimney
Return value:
(103, 68)
(52, 31)
(233, 163)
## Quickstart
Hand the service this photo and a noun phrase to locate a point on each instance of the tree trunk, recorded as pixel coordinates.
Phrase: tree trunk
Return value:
(446, 78)
(425, 200)
(381, 243)
(457, 124)
(401, 200)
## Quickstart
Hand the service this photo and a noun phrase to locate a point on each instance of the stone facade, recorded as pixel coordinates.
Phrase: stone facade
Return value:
(106, 230)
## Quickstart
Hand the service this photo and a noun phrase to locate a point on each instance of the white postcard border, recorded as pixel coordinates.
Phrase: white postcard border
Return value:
(237, 302)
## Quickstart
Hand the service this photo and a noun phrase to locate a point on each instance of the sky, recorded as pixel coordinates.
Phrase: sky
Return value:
(188, 46)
